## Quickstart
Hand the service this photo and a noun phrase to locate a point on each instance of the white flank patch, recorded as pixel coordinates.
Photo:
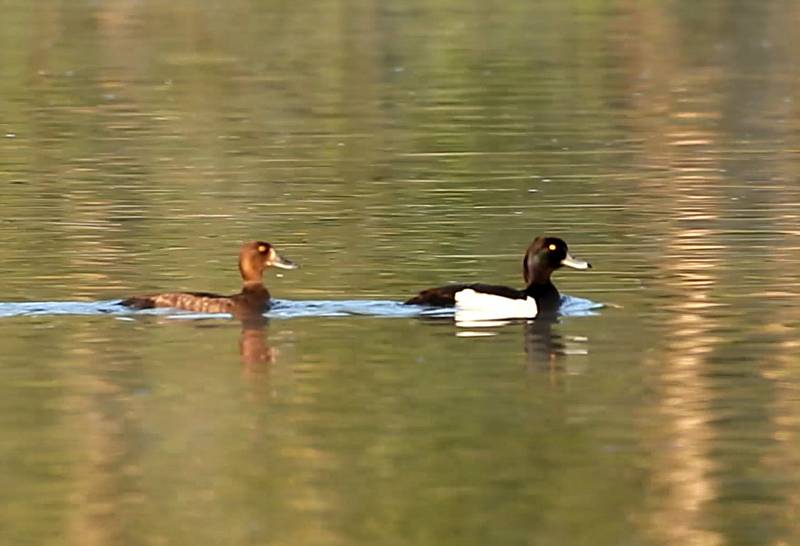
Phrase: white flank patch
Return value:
(481, 323)
(474, 306)
(469, 333)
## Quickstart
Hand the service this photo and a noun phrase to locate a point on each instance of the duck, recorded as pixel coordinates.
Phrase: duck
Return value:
(254, 258)
(480, 301)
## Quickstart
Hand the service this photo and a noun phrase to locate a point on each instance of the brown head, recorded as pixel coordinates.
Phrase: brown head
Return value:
(256, 256)
(545, 255)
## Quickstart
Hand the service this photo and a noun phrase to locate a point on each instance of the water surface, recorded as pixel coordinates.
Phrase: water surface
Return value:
(389, 148)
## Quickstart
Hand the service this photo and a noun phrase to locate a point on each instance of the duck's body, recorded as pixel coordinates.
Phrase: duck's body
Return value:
(546, 295)
(540, 296)
(254, 297)
(445, 296)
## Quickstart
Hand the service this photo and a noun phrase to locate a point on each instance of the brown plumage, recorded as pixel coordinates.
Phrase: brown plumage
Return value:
(254, 258)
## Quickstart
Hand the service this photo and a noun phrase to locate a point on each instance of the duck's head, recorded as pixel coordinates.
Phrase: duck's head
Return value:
(256, 256)
(545, 255)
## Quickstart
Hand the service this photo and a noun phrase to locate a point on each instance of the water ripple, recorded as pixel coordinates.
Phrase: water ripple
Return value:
(281, 309)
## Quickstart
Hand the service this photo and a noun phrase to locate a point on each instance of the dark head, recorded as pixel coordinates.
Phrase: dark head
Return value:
(256, 256)
(545, 255)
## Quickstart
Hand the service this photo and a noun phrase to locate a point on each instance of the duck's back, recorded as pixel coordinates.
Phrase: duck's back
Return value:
(445, 296)
(201, 302)
(249, 300)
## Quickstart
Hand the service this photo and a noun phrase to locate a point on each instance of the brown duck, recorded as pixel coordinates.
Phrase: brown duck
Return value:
(254, 258)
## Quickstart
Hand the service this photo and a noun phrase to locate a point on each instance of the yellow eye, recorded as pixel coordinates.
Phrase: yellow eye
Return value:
(262, 248)
(552, 247)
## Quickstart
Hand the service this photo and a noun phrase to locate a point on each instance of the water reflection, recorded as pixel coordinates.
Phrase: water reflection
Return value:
(255, 351)
(103, 487)
(411, 138)
(253, 347)
(544, 347)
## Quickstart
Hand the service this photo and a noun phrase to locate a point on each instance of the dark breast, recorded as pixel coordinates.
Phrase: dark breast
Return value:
(546, 295)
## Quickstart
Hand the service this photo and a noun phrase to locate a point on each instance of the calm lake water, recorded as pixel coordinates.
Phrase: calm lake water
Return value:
(389, 147)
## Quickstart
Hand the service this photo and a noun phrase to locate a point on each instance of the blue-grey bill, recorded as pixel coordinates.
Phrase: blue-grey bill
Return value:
(575, 263)
(283, 263)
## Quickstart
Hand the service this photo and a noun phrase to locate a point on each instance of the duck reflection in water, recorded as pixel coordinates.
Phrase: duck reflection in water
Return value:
(254, 349)
(545, 346)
